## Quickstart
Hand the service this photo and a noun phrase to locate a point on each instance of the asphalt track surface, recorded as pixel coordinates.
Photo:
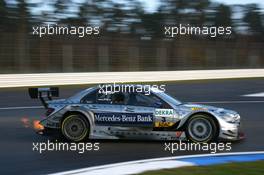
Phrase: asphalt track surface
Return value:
(16, 146)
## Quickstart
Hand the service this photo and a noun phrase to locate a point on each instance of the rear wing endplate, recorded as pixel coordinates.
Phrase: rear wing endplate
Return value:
(43, 94)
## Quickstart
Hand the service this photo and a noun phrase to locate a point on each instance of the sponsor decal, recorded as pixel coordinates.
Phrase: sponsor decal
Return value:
(163, 124)
(197, 108)
(164, 112)
(135, 119)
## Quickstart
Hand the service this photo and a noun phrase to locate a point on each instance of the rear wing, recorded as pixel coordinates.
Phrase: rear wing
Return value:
(43, 94)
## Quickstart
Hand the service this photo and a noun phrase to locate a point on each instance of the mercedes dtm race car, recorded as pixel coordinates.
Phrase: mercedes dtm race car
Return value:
(94, 114)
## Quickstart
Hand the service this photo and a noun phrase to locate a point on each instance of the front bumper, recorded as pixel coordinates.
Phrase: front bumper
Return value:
(231, 131)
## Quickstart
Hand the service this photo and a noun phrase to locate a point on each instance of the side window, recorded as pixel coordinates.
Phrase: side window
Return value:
(139, 99)
(89, 98)
(143, 100)
(103, 98)
(97, 97)
(116, 98)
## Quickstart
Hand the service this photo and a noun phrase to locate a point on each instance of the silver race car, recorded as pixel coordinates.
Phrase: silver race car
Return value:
(100, 113)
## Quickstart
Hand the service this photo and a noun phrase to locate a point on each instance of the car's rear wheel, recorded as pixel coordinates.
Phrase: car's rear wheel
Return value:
(75, 127)
(201, 128)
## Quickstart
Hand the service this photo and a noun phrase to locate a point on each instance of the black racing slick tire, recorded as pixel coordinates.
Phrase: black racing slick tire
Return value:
(75, 128)
(201, 128)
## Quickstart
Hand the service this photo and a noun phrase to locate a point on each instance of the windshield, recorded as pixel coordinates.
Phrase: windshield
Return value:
(169, 98)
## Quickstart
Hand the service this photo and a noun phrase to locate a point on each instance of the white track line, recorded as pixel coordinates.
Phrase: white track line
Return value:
(149, 164)
(53, 79)
(261, 94)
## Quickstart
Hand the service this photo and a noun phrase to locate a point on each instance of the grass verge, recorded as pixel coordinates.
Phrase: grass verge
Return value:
(245, 168)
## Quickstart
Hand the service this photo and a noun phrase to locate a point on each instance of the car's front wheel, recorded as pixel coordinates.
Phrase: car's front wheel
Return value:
(75, 127)
(201, 128)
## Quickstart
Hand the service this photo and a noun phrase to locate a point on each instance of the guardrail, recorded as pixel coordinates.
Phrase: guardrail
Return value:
(51, 79)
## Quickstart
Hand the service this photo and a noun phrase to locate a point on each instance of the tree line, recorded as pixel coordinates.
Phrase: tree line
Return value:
(130, 16)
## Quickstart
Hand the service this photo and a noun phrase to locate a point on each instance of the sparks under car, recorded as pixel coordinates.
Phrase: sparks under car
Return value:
(91, 114)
